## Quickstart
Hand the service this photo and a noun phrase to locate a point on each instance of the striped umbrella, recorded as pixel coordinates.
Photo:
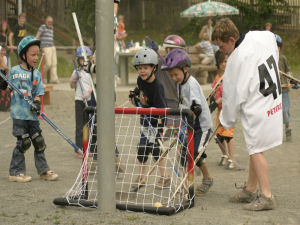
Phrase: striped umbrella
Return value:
(209, 8)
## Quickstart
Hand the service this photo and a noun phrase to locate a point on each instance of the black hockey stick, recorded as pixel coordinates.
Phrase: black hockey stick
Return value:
(46, 118)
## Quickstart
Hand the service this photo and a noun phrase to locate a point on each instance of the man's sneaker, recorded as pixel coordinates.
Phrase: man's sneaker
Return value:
(261, 203)
(163, 182)
(21, 178)
(49, 175)
(223, 160)
(243, 196)
(230, 164)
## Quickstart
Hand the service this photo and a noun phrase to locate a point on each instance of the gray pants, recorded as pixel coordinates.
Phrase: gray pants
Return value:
(17, 164)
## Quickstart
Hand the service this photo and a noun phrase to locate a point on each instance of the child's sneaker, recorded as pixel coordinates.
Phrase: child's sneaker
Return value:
(163, 182)
(261, 203)
(223, 160)
(204, 187)
(139, 181)
(230, 164)
(288, 133)
(21, 178)
(49, 175)
(243, 196)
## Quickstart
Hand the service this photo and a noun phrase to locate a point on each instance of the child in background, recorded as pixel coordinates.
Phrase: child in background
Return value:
(149, 93)
(225, 136)
(207, 57)
(26, 126)
(121, 35)
(191, 96)
(81, 82)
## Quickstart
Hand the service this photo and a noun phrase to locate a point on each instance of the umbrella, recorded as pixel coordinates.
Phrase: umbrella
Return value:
(209, 8)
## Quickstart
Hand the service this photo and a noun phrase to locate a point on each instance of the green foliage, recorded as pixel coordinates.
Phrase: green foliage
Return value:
(85, 13)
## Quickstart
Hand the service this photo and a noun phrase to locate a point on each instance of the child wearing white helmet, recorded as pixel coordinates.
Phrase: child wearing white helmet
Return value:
(81, 82)
(149, 93)
(26, 126)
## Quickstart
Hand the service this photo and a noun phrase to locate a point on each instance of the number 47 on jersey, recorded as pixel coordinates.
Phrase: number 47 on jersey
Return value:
(264, 76)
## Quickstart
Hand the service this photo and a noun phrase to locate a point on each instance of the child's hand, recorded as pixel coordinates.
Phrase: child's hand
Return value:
(36, 107)
(196, 108)
(134, 97)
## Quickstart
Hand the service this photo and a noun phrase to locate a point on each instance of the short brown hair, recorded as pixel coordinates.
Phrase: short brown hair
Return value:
(224, 29)
(22, 15)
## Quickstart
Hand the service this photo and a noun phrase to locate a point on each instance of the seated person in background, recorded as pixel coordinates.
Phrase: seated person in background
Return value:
(207, 55)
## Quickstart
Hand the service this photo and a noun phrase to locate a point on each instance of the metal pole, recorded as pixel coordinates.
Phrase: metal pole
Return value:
(105, 105)
(19, 7)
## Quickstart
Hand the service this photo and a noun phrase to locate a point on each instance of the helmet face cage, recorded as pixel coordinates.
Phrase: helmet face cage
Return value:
(174, 41)
(177, 58)
(25, 43)
(79, 52)
(145, 56)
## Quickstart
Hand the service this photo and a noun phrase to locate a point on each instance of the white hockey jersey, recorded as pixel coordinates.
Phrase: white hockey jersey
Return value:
(251, 86)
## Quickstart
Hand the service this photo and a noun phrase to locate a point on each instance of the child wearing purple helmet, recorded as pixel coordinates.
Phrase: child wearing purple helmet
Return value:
(191, 96)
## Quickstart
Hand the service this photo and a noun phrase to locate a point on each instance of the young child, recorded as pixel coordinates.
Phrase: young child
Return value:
(26, 126)
(81, 82)
(224, 135)
(191, 96)
(121, 35)
(285, 84)
(150, 93)
(252, 87)
(207, 57)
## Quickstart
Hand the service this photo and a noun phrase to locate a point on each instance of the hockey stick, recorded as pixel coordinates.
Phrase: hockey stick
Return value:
(212, 92)
(41, 60)
(290, 77)
(30, 102)
(224, 151)
(161, 58)
(195, 162)
(83, 49)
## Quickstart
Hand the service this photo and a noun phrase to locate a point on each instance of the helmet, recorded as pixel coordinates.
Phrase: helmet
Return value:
(25, 43)
(174, 41)
(79, 53)
(145, 56)
(177, 58)
(278, 40)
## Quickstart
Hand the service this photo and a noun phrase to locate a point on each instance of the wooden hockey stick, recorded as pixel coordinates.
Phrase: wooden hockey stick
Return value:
(83, 50)
(195, 162)
(212, 92)
(289, 77)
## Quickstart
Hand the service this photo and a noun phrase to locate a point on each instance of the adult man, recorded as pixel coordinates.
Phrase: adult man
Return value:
(251, 86)
(17, 33)
(45, 34)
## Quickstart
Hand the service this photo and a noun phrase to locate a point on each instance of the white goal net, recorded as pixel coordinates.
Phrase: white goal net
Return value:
(154, 163)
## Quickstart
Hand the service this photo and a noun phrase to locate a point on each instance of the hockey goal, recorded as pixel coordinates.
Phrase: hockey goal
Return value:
(167, 184)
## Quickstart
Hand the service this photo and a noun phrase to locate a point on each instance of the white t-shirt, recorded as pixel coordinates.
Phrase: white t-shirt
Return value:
(85, 89)
(251, 68)
(191, 91)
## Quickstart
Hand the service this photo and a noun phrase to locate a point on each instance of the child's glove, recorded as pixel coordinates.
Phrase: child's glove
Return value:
(212, 104)
(3, 83)
(196, 108)
(134, 97)
(36, 107)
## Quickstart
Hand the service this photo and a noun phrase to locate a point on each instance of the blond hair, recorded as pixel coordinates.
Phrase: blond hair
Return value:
(224, 29)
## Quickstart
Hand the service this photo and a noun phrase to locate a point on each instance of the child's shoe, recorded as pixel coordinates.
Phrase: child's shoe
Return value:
(204, 187)
(21, 178)
(288, 134)
(223, 160)
(163, 182)
(261, 203)
(49, 175)
(139, 181)
(230, 164)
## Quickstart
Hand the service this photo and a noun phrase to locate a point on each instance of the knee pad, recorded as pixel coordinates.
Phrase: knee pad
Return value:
(156, 152)
(38, 142)
(23, 143)
(143, 153)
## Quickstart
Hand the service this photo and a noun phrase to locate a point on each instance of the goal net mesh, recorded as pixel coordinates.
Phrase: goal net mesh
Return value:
(154, 163)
